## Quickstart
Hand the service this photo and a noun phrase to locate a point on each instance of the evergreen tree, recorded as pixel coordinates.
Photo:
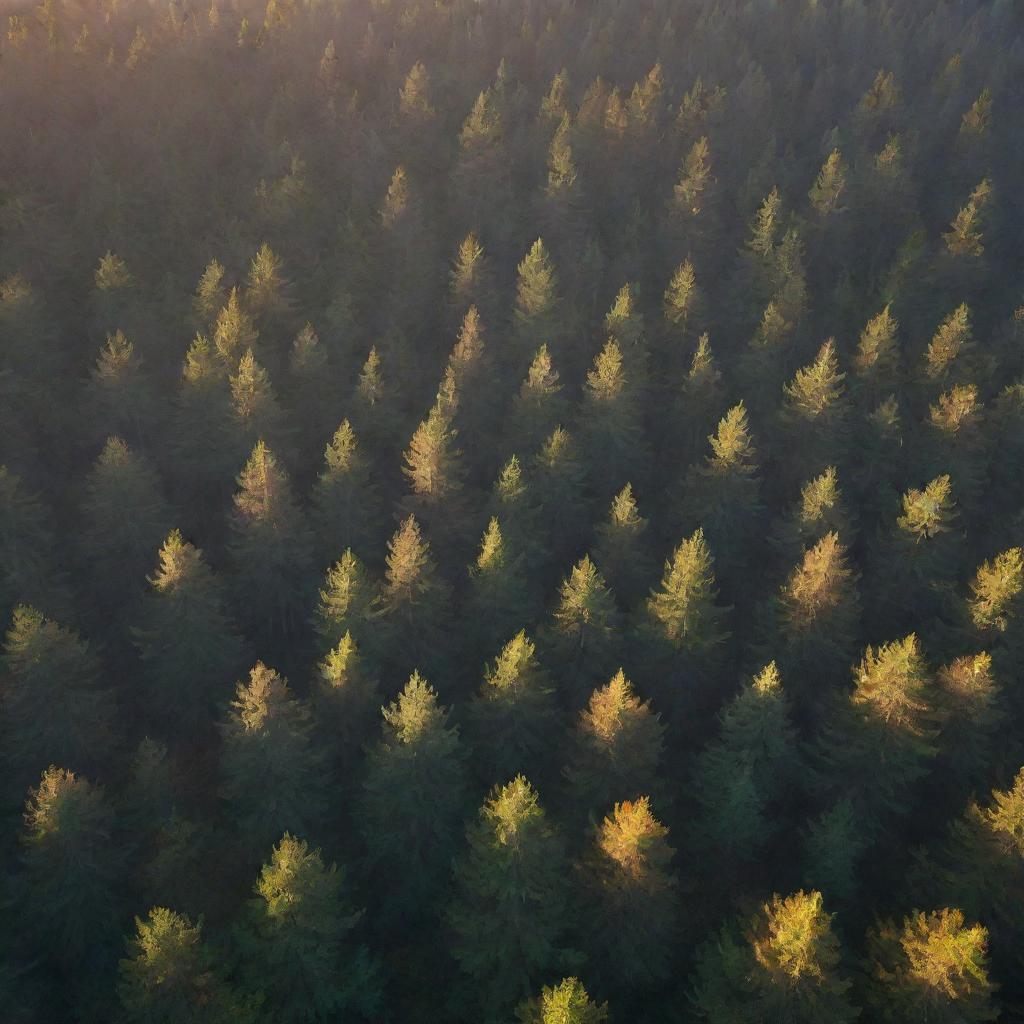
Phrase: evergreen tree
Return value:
(888, 721)
(413, 603)
(297, 950)
(564, 1003)
(558, 481)
(681, 300)
(346, 506)
(56, 708)
(125, 518)
(120, 396)
(500, 600)
(829, 186)
(28, 560)
(187, 641)
(270, 546)
(255, 410)
(71, 864)
(234, 332)
(950, 350)
(508, 915)
(273, 778)
(433, 467)
(965, 236)
(629, 896)
(539, 406)
(721, 496)
(934, 967)
(620, 548)
(611, 425)
(412, 801)
(345, 602)
(514, 716)
(876, 363)
(209, 296)
(785, 966)
(583, 638)
(833, 846)
(171, 975)
(743, 779)
(346, 701)
(538, 304)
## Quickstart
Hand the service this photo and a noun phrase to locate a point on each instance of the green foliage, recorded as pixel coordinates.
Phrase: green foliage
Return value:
(786, 966)
(273, 776)
(295, 942)
(171, 975)
(508, 912)
(933, 967)
(514, 716)
(616, 748)
(564, 1003)
(57, 708)
(186, 639)
(412, 800)
(270, 546)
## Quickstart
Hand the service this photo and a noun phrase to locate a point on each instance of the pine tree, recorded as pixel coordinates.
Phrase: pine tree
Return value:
(234, 332)
(721, 496)
(346, 702)
(124, 520)
(957, 442)
(414, 99)
(814, 416)
(28, 559)
(171, 975)
(888, 721)
(267, 289)
(187, 641)
(833, 846)
(270, 547)
(817, 612)
(432, 462)
(537, 309)
(743, 779)
(583, 638)
(965, 237)
(413, 604)
(564, 1003)
(209, 296)
(995, 605)
(412, 802)
(273, 778)
(612, 426)
(203, 449)
(71, 864)
(514, 717)
(785, 966)
(120, 395)
(690, 193)
(876, 363)
(56, 708)
(629, 896)
(509, 909)
(615, 750)
(295, 941)
(513, 503)
(933, 967)
(827, 191)
(621, 549)
(539, 406)
(254, 405)
(950, 349)
(345, 604)
(470, 279)
(683, 611)
(681, 300)
(558, 481)
(346, 506)
(500, 600)
(698, 403)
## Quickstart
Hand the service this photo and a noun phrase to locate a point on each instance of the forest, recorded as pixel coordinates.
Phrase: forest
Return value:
(511, 511)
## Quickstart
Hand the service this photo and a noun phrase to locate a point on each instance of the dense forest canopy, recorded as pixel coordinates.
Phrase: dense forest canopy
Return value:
(512, 511)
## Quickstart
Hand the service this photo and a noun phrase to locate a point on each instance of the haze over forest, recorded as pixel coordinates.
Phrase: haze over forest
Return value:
(511, 512)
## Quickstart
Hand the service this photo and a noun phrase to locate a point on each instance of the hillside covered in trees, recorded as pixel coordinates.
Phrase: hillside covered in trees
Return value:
(512, 512)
